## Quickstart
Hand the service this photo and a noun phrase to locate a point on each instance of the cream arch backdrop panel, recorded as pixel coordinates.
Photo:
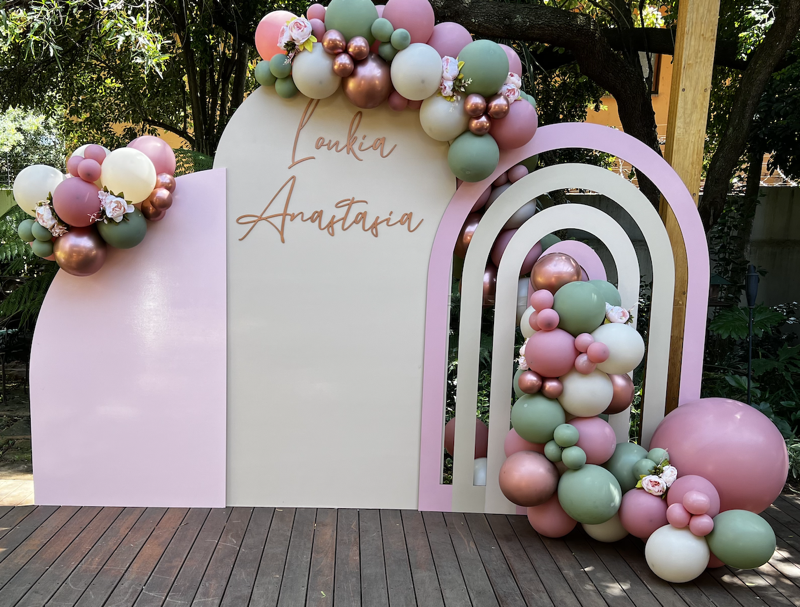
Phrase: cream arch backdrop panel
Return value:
(331, 218)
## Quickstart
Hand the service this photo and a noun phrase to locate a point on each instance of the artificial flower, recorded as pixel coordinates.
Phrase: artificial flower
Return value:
(300, 30)
(514, 80)
(45, 216)
(446, 88)
(510, 92)
(617, 314)
(669, 474)
(114, 207)
(654, 485)
(449, 68)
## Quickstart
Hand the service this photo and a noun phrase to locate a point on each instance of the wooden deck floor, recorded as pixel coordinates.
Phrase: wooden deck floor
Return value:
(286, 557)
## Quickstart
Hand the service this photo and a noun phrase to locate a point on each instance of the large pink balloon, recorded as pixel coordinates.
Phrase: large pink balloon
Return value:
(642, 513)
(515, 443)
(528, 478)
(517, 128)
(731, 444)
(449, 38)
(499, 247)
(267, 33)
(550, 520)
(551, 353)
(481, 437)
(158, 151)
(75, 201)
(692, 482)
(514, 62)
(416, 16)
(597, 439)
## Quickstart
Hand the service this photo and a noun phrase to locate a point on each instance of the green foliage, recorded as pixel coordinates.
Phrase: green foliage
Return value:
(793, 447)
(28, 138)
(734, 322)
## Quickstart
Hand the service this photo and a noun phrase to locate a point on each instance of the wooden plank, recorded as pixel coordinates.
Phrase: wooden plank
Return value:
(633, 555)
(788, 507)
(243, 576)
(789, 529)
(572, 571)
(194, 567)
(478, 584)
(451, 578)
(58, 572)
(400, 586)
(5, 510)
(785, 536)
(715, 591)
(323, 560)
(779, 561)
(28, 525)
(270, 573)
(294, 586)
(593, 566)
(427, 585)
(13, 518)
(347, 574)
(14, 559)
(373, 567)
(623, 574)
(502, 580)
(787, 586)
(157, 587)
(735, 587)
(766, 587)
(215, 580)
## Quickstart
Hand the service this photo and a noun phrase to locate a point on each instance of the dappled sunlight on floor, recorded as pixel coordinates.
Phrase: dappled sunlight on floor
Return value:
(16, 492)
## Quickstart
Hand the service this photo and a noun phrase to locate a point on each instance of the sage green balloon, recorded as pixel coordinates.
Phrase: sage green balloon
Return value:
(535, 417)
(352, 18)
(42, 248)
(603, 416)
(387, 52)
(485, 66)
(400, 39)
(608, 292)
(566, 435)
(622, 462)
(280, 66)
(741, 539)
(552, 451)
(580, 308)
(574, 457)
(127, 233)
(285, 87)
(517, 391)
(24, 230)
(657, 455)
(40, 232)
(531, 164)
(548, 241)
(473, 157)
(382, 29)
(643, 467)
(264, 75)
(590, 495)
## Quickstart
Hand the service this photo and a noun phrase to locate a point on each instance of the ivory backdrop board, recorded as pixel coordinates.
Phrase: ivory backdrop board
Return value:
(326, 315)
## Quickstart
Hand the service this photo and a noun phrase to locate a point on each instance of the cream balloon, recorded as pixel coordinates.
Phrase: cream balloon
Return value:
(610, 531)
(479, 472)
(625, 347)
(522, 297)
(524, 323)
(417, 72)
(586, 395)
(523, 214)
(676, 555)
(33, 184)
(313, 74)
(441, 119)
(128, 171)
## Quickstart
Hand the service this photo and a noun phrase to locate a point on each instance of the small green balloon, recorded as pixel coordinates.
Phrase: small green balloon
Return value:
(535, 417)
(548, 241)
(566, 435)
(473, 157)
(24, 230)
(352, 18)
(264, 75)
(574, 458)
(741, 539)
(643, 467)
(280, 66)
(387, 52)
(401, 39)
(590, 495)
(285, 87)
(657, 455)
(580, 308)
(382, 29)
(531, 164)
(608, 292)
(40, 232)
(603, 416)
(42, 248)
(552, 451)
(485, 67)
(127, 233)
(621, 464)
(517, 392)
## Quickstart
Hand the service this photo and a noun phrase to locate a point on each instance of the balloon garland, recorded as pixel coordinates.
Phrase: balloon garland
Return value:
(105, 200)
(467, 92)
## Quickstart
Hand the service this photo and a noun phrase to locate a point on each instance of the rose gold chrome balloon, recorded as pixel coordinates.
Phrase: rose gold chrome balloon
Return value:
(161, 199)
(623, 394)
(80, 252)
(480, 125)
(552, 387)
(474, 105)
(498, 107)
(528, 479)
(150, 212)
(166, 181)
(530, 382)
(489, 285)
(343, 65)
(553, 270)
(358, 48)
(370, 83)
(333, 42)
(464, 238)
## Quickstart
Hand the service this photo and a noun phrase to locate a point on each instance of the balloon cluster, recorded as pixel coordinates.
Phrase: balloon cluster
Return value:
(468, 92)
(78, 215)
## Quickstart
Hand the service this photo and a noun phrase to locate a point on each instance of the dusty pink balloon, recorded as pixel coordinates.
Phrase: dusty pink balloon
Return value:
(514, 62)
(552, 388)
(416, 16)
(500, 244)
(533, 321)
(551, 353)
(583, 341)
(550, 520)
(530, 259)
(597, 439)
(73, 163)
(701, 525)
(517, 128)
(158, 151)
(414, 105)
(584, 365)
(516, 173)
(89, 170)
(267, 33)
(489, 285)
(479, 204)
(398, 103)
(481, 437)
(677, 515)
(316, 11)
(624, 391)
(696, 502)
(714, 562)
(502, 180)
(514, 443)
(317, 27)
(529, 382)
(692, 482)
(548, 319)
(448, 39)
(598, 352)
(379, 8)
(542, 300)
(528, 479)
(75, 202)
(95, 152)
(641, 513)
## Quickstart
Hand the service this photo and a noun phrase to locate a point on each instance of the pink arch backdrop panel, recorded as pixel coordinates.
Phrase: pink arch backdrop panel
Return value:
(433, 495)
(128, 367)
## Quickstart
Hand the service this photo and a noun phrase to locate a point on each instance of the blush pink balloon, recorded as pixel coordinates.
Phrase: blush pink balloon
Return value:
(75, 201)
(95, 152)
(701, 525)
(484, 198)
(517, 128)
(448, 39)
(692, 482)
(72, 165)
(550, 520)
(416, 16)
(515, 443)
(514, 62)
(318, 28)
(598, 352)
(398, 103)
(714, 562)
(547, 319)
(542, 300)
(713, 436)
(533, 321)
(518, 172)
(583, 341)
(481, 437)
(596, 438)
(696, 502)
(551, 353)
(414, 105)
(89, 170)
(677, 515)
(267, 33)
(502, 180)
(530, 259)
(379, 8)
(500, 244)
(316, 11)
(584, 365)
(528, 478)
(158, 151)
(641, 513)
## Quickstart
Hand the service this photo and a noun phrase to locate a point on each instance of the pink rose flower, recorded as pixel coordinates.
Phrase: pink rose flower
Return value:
(669, 474)
(654, 485)
(284, 37)
(449, 68)
(45, 217)
(300, 30)
(446, 88)
(523, 364)
(114, 206)
(617, 314)
(514, 80)
(510, 92)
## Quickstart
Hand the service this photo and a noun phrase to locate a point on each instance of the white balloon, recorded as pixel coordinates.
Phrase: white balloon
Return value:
(523, 214)
(586, 395)
(610, 531)
(33, 184)
(479, 473)
(523, 293)
(313, 75)
(441, 119)
(625, 347)
(676, 555)
(80, 151)
(128, 171)
(417, 72)
(524, 323)
(496, 191)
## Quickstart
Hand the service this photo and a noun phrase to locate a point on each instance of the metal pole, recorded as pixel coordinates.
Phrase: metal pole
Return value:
(750, 358)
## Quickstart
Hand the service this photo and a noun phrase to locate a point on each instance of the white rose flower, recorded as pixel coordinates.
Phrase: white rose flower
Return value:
(523, 364)
(514, 80)
(669, 474)
(45, 217)
(284, 37)
(617, 314)
(446, 88)
(114, 206)
(449, 68)
(654, 485)
(510, 92)
(300, 30)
